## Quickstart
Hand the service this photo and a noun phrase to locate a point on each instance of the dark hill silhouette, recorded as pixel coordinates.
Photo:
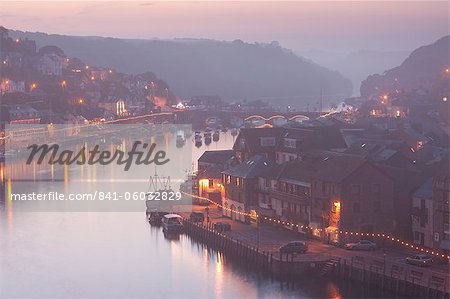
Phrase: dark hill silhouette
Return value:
(423, 69)
(232, 70)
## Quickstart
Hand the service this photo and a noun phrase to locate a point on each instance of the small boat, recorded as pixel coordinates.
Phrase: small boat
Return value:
(234, 131)
(212, 121)
(208, 138)
(207, 131)
(216, 135)
(198, 140)
(181, 140)
(224, 129)
(172, 223)
(155, 218)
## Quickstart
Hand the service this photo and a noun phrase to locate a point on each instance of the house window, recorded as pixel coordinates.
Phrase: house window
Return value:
(238, 183)
(267, 141)
(210, 183)
(356, 207)
(355, 189)
(289, 143)
(267, 182)
(229, 179)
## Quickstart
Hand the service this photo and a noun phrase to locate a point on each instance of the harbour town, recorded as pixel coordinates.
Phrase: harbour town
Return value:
(122, 183)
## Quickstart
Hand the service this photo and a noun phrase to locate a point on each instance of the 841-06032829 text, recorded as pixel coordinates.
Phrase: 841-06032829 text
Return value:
(98, 195)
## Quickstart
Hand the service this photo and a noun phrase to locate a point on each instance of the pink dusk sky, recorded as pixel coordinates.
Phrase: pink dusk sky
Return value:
(299, 25)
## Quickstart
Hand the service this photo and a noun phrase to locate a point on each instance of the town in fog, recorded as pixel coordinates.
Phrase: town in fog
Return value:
(241, 160)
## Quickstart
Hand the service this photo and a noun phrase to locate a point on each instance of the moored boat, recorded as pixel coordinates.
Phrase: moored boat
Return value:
(172, 223)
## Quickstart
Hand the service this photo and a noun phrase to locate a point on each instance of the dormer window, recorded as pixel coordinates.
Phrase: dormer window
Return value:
(267, 141)
(290, 143)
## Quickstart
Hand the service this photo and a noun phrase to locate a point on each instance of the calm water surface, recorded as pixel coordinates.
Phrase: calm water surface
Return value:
(118, 255)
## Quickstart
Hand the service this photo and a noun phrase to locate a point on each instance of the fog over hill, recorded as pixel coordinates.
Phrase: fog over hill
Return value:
(424, 68)
(357, 65)
(233, 70)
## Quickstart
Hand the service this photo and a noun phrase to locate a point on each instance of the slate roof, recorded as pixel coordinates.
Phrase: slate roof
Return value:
(297, 171)
(253, 137)
(256, 166)
(220, 156)
(335, 168)
(211, 172)
(426, 190)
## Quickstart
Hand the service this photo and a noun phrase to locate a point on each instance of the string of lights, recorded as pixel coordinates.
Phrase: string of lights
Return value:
(217, 204)
(386, 236)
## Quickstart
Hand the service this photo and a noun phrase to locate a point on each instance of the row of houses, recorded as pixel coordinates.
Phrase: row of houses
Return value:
(313, 176)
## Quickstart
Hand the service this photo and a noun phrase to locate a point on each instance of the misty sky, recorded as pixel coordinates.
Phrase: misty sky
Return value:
(304, 25)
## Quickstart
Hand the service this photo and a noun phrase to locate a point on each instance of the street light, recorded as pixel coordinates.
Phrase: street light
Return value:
(444, 99)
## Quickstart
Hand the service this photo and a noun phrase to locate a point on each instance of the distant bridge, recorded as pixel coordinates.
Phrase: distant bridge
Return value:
(277, 116)
(199, 118)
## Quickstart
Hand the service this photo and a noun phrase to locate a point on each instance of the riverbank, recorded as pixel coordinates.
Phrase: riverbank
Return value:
(382, 268)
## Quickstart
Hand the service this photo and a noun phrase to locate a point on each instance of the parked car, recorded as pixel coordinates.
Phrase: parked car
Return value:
(420, 260)
(197, 217)
(294, 247)
(222, 226)
(361, 245)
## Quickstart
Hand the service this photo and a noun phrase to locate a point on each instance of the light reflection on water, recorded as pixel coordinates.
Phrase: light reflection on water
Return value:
(104, 255)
